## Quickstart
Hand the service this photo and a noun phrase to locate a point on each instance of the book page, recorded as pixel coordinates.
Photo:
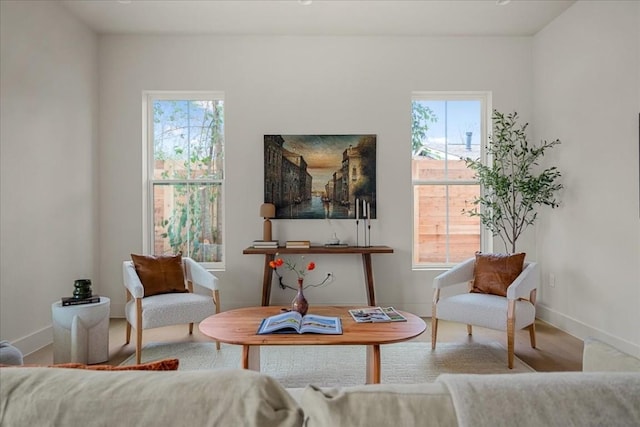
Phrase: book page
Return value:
(290, 320)
(321, 324)
(369, 314)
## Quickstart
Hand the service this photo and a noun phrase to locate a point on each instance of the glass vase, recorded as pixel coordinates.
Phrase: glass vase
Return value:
(300, 303)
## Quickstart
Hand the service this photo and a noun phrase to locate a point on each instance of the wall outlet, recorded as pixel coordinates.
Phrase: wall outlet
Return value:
(552, 280)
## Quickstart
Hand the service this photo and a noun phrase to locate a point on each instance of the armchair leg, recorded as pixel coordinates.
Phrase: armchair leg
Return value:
(434, 318)
(511, 326)
(532, 327)
(532, 335)
(138, 330)
(128, 334)
(216, 301)
(128, 330)
(138, 345)
(510, 350)
(434, 332)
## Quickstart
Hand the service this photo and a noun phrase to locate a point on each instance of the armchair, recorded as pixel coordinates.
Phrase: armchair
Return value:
(514, 312)
(200, 302)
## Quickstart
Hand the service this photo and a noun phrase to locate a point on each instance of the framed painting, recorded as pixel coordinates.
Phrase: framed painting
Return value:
(320, 176)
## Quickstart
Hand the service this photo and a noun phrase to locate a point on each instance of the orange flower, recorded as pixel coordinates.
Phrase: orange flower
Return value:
(291, 266)
(276, 263)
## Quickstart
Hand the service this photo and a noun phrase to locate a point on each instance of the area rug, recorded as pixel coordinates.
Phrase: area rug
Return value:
(333, 366)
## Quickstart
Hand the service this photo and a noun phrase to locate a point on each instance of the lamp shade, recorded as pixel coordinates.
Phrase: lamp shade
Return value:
(268, 210)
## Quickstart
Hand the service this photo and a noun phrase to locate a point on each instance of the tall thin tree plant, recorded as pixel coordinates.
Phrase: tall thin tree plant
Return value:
(513, 187)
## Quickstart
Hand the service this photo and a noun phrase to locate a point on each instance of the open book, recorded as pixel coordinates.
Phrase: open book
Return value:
(376, 314)
(292, 322)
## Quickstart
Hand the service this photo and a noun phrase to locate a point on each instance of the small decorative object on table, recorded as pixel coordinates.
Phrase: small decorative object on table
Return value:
(267, 211)
(82, 294)
(82, 289)
(334, 242)
(366, 222)
(299, 303)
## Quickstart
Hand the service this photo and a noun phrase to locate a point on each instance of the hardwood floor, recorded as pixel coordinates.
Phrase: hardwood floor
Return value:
(556, 350)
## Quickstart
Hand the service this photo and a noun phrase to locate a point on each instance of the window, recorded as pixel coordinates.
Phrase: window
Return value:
(184, 170)
(446, 128)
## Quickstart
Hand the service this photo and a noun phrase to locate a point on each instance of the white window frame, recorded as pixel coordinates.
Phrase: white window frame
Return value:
(485, 98)
(148, 97)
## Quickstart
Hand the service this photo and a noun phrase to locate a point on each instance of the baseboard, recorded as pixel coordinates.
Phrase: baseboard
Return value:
(563, 322)
(35, 341)
(581, 330)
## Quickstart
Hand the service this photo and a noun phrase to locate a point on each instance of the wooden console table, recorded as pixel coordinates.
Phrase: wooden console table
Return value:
(270, 254)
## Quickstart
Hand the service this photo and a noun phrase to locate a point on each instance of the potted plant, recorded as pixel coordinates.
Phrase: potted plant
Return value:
(513, 188)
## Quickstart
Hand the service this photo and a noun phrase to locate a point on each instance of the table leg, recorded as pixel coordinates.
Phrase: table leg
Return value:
(373, 364)
(368, 277)
(251, 357)
(266, 279)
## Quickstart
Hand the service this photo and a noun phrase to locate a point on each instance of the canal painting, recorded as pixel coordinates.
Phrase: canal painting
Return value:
(320, 176)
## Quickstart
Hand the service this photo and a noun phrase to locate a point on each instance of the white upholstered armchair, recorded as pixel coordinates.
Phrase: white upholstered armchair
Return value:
(201, 301)
(513, 312)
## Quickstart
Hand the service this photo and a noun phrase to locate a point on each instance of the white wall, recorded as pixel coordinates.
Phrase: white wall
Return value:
(324, 85)
(48, 87)
(586, 92)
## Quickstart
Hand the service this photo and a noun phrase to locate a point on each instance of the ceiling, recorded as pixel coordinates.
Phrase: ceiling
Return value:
(321, 17)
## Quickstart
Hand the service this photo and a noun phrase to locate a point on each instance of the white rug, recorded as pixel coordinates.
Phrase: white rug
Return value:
(331, 366)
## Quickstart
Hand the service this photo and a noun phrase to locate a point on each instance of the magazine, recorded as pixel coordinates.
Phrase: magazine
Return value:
(369, 314)
(393, 314)
(292, 322)
(376, 314)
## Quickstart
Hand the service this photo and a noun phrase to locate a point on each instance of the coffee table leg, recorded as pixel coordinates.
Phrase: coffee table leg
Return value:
(373, 364)
(251, 357)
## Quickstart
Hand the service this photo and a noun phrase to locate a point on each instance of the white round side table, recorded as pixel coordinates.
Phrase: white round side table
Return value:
(81, 332)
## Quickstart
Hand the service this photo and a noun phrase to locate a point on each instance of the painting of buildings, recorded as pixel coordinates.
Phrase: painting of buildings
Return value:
(319, 176)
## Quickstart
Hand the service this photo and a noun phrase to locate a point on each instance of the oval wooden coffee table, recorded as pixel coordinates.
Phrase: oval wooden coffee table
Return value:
(240, 326)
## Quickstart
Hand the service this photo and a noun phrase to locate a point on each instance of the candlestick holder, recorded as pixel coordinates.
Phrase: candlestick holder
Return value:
(357, 234)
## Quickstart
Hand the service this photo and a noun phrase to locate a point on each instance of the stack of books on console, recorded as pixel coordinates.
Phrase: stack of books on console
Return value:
(265, 244)
(298, 244)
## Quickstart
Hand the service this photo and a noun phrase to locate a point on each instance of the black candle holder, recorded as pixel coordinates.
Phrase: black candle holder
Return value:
(82, 289)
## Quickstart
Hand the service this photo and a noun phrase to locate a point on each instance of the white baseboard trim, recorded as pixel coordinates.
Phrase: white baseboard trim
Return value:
(35, 341)
(563, 322)
(581, 330)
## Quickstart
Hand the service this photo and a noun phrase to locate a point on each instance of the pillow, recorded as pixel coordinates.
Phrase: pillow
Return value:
(379, 405)
(493, 273)
(161, 274)
(159, 365)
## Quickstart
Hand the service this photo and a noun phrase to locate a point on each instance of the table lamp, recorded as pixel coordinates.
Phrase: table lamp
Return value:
(267, 210)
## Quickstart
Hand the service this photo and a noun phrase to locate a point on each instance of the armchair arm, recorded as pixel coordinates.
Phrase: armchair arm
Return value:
(198, 275)
(526, 282)
(131, 280)
(462, 272)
